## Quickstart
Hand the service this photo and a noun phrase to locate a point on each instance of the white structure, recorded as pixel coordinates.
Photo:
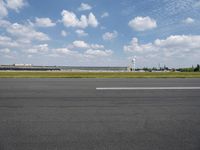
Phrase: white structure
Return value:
(134, 64)
(22, 65)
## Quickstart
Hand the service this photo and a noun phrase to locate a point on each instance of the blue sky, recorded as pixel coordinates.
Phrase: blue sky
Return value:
(100, 33)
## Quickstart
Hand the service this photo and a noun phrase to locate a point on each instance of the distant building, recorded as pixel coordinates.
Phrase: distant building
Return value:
(22, 65)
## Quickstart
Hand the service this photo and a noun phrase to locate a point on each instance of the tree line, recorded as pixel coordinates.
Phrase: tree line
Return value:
(191, 69)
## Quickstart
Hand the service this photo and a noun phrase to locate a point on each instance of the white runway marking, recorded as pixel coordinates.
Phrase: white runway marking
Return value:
(148, 88)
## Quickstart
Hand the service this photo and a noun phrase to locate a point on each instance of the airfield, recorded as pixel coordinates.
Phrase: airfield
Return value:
(99, 114)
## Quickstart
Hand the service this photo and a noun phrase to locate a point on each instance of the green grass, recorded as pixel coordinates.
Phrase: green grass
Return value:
(22, 74)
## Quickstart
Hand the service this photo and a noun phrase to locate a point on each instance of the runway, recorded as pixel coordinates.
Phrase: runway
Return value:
(73, 114)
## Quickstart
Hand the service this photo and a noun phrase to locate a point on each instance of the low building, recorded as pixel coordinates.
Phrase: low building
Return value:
(22, 65)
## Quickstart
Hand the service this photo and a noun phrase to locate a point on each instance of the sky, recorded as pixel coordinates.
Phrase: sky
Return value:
(100, 33)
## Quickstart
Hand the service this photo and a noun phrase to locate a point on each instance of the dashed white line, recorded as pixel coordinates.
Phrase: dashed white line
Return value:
(148, 88)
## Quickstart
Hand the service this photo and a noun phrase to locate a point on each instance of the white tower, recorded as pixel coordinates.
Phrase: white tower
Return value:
(134, 63)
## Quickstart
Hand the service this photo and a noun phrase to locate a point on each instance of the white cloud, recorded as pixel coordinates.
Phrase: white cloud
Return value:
(64, 33)
(92, 21)
(7, 42)
(17, 45)
(70, 19)
(110, 35)
(80, 44)
(65, 51)
(26, 32)
(81, 33)
(83, 53)
(104, 15)
(85, 50)
(98, 53)
(173, 46)
(20, 38)
(189, 20)
(16, 4)
(84, 56)
(93, 50)
(44, 22)
(10, 4)
(84, 6)
(175, 7)
(6, 53)
(4, 23)
(62, 50)
(142, 23)
(96, 46)
(135, 46)
(3, 9)
(42, 48)
(5, 50)
(181, 42)
(84, 45)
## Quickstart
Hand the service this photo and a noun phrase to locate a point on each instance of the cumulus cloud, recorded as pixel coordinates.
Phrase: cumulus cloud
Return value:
(93, 50)
(7, 53)
(174, 46)
(44, 22)
(84, 50)
(80, 44)
(7, 42)
(83, 56)
(10, 4)
(70, 19)
(42, 48)
(4, 23)
(84, 6)
(81, 33)
(92, 21)
(142, 23)
(3, 9)
(84, 45)
(110, 35)
(65, 51)
(99, 53)
(26, 32)
(16, 4)
(5, 50)
(104, 15)
(96, 46)
(188, 20)
(64, 33)
(135, 46)
(22, 32)
(21, 38)
(25, 39)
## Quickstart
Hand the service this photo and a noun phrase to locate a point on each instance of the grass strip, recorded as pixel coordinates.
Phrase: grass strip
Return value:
(36, 74)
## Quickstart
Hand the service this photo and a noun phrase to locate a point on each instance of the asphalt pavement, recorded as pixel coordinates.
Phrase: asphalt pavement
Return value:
(72, 114)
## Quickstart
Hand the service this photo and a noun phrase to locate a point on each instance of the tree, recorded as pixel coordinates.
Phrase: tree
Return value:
(197, 69)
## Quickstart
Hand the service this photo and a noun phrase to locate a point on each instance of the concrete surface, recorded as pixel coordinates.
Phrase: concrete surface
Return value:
(70, 114)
